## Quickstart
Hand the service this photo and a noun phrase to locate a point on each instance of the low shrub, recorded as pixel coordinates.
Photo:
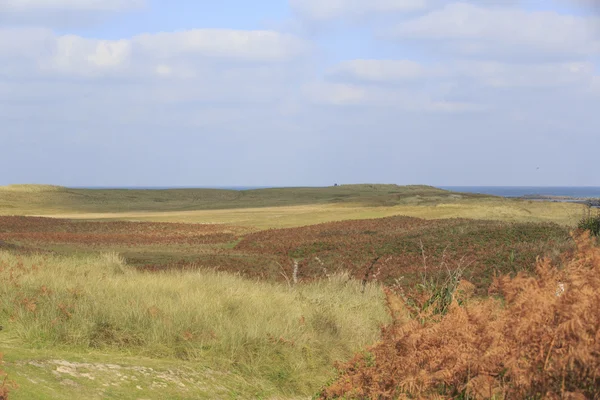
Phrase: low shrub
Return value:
(590, 223)
(533, 337)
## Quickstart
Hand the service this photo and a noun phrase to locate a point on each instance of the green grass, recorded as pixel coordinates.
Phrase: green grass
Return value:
(261, 339)
(69, 314)
(56, 374)
(277, 208)
(30, 199)
(590, 222)
(567, 214)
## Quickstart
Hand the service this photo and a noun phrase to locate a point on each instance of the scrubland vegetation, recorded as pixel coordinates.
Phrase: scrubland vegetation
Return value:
(283, 340)
(533, 337)
(276, 208)
(293, 293)
(31, 199)
(392, 248)
(399, 249)
(590, 222)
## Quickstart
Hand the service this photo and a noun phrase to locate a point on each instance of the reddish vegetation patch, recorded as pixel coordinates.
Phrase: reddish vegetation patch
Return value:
(390, 248)
(541, 341)
(175, 246)
(384, 249)
(35, 231)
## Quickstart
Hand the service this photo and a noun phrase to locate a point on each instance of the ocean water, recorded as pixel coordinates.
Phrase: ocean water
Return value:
(519, 191)
(590, 192)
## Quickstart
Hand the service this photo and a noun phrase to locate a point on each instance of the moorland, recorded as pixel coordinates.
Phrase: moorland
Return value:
(266, 293)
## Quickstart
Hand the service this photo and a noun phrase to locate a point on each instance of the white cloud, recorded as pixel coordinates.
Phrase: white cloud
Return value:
(486, 73)
(79, 56)
(475, 29)
(23, 42)
(587, 4)
(27, 52)
(504, 75)
(69, 5)
(222, 43)
(347, 94)
(204, 97)
(163, 70)
(330, 9)
(24, 51)
(381, 70)
(335, 93)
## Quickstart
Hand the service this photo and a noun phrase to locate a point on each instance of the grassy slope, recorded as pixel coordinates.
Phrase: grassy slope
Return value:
(294, 216)
(44, 199)
(258, 209)
(43, 374)
(209, 331)
(276, 208)
(347, 245)
(482, 247)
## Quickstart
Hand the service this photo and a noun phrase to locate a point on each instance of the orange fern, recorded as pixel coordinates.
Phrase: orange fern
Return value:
(533, 337)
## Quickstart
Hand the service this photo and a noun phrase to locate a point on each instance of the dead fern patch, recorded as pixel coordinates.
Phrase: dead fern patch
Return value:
(533, 337)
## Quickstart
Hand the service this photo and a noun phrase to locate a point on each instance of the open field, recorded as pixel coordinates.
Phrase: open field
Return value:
(223, 294)
(49, 230)
(256, 339)
(276, 208)
(566, 214)
(251, 218)
(404, 247)
(33, 199)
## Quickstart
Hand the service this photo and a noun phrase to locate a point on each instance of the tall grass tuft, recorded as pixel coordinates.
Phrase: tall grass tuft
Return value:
(590, 222)
(534, 337)
(265, 332)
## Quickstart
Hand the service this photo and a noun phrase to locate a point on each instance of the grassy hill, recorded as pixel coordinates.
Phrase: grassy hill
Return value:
(278, 207)
(20, 199)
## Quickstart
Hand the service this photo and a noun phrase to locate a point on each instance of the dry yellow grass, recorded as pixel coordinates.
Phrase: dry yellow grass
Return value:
(293, 216)
(282, 340)
(276, 208)
(31, 188)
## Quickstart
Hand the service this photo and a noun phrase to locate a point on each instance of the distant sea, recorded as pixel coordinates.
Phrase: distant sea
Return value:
(519, 191)
(503, 191)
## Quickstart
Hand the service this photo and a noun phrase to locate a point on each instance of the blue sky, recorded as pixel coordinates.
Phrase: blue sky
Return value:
(299, 92)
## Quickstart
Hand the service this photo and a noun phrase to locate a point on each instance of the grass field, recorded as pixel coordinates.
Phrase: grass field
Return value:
(276, 208)
(192, 293)
(405, 248)
(32, 199)
(399, 244)
(292, 216)
(256, 338)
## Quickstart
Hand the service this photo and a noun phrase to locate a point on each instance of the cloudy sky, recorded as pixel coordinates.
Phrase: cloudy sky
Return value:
(299, 92)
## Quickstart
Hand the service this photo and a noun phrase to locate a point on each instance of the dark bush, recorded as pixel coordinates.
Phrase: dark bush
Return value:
(591, 223)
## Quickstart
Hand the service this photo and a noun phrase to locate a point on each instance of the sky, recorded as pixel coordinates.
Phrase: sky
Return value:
(299, 92)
